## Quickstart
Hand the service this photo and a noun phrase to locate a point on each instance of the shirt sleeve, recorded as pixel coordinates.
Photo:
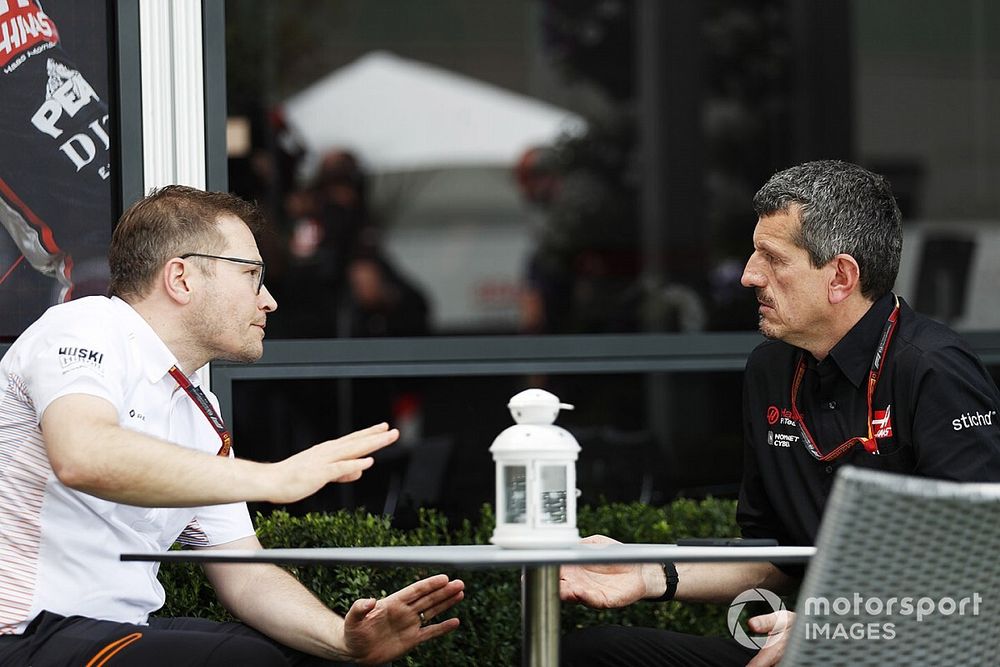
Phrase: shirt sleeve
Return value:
(956, 433)
(754, 513)
(74, 358)
(217, 524)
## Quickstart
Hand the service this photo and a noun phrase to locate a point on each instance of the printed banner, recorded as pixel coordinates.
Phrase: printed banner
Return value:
(56, 209)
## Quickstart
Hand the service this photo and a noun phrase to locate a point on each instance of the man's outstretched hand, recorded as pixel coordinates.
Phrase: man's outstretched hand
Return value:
(602, 585)
(378, 631)
(340, 460)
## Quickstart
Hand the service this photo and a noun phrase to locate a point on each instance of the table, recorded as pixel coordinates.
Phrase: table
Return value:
(540, 584)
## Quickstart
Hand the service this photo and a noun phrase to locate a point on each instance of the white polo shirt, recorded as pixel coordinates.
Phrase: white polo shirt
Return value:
(59, 548)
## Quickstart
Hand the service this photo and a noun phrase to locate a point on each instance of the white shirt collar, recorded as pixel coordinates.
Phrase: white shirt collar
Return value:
(154, 355)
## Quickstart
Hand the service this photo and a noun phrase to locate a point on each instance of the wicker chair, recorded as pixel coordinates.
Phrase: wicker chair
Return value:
(886, 538)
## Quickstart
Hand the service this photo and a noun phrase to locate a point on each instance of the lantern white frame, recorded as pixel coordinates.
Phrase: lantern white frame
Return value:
(535, 447)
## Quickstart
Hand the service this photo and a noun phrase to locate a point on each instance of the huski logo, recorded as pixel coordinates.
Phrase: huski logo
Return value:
(77, 357)
(882, 422)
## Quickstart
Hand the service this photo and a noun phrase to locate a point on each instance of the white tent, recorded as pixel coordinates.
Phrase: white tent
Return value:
(397, 114)
(438, 148)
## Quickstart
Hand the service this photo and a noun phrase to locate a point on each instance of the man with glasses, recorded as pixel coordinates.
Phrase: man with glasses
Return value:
(850, 376)
(108, 445)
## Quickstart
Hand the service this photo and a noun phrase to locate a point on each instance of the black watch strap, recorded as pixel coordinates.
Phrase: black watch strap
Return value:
(670, 572)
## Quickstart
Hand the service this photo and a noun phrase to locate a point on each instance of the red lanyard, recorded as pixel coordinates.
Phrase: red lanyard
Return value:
(870, 443)
(199, 398)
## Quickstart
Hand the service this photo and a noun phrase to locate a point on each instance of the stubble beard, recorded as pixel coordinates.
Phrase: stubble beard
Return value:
(206, 328)
(765, 329)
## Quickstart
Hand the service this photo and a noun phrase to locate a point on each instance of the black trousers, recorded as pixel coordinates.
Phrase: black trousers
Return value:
(57, 641)
(619, 646)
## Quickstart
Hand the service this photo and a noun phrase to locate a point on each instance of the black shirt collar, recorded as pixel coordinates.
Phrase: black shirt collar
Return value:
(854, 352)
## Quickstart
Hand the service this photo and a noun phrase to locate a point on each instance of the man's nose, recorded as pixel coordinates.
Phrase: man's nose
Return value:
(752, 276)
(268, 305)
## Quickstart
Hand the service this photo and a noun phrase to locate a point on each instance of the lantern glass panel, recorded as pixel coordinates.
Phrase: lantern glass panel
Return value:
(515, 479)
(553, 494)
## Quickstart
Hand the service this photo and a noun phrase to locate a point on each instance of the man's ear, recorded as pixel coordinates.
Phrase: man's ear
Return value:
(846, 278)
(177, 277)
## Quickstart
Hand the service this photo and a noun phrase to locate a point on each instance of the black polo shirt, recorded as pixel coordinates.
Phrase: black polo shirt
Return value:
(940, 402)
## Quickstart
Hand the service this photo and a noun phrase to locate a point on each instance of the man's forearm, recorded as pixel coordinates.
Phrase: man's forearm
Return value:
(121, 465)
(90, 452)
(273, 602)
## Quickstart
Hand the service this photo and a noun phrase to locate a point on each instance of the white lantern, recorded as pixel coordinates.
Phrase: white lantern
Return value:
(536, 476)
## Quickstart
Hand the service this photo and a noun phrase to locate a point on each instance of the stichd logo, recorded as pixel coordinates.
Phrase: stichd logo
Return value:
(969, 420)
(736, 608)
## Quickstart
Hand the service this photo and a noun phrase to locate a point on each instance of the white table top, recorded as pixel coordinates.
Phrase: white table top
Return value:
(475, 556)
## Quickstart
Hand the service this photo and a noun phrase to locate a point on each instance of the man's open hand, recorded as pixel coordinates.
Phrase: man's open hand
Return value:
(340, 460)
(378, 631)
(602, 585)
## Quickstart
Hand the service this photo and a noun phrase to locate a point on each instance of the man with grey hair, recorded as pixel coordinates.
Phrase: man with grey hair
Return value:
(850, 376)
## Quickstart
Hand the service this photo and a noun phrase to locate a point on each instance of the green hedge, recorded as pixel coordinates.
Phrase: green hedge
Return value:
(491, 611)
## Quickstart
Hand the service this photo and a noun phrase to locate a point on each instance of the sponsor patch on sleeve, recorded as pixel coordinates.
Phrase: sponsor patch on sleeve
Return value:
(73, 358)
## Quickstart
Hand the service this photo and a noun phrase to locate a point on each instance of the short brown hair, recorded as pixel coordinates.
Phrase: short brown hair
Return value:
(169, 222)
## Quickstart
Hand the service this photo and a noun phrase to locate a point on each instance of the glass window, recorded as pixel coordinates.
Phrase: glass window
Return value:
(686, 442)
(927, 88)
(586, 166)
(553, 494)
(631, 213)
(516, 485)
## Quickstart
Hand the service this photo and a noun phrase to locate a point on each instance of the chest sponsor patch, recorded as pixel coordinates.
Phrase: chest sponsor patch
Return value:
(782, 416)
(781, 439)
(882, 422)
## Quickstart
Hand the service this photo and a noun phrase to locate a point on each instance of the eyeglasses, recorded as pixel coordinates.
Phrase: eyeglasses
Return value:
(870, 443)
(238, 260)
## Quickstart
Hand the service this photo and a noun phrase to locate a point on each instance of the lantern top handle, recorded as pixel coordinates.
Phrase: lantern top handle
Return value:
(536, 406)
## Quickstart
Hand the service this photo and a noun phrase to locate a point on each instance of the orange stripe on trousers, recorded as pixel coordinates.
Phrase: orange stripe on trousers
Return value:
(111, 649)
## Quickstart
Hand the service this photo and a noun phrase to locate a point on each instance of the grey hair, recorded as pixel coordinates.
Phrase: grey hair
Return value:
(843, 209)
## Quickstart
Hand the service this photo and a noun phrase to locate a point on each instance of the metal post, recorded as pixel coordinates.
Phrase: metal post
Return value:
(540, 616)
